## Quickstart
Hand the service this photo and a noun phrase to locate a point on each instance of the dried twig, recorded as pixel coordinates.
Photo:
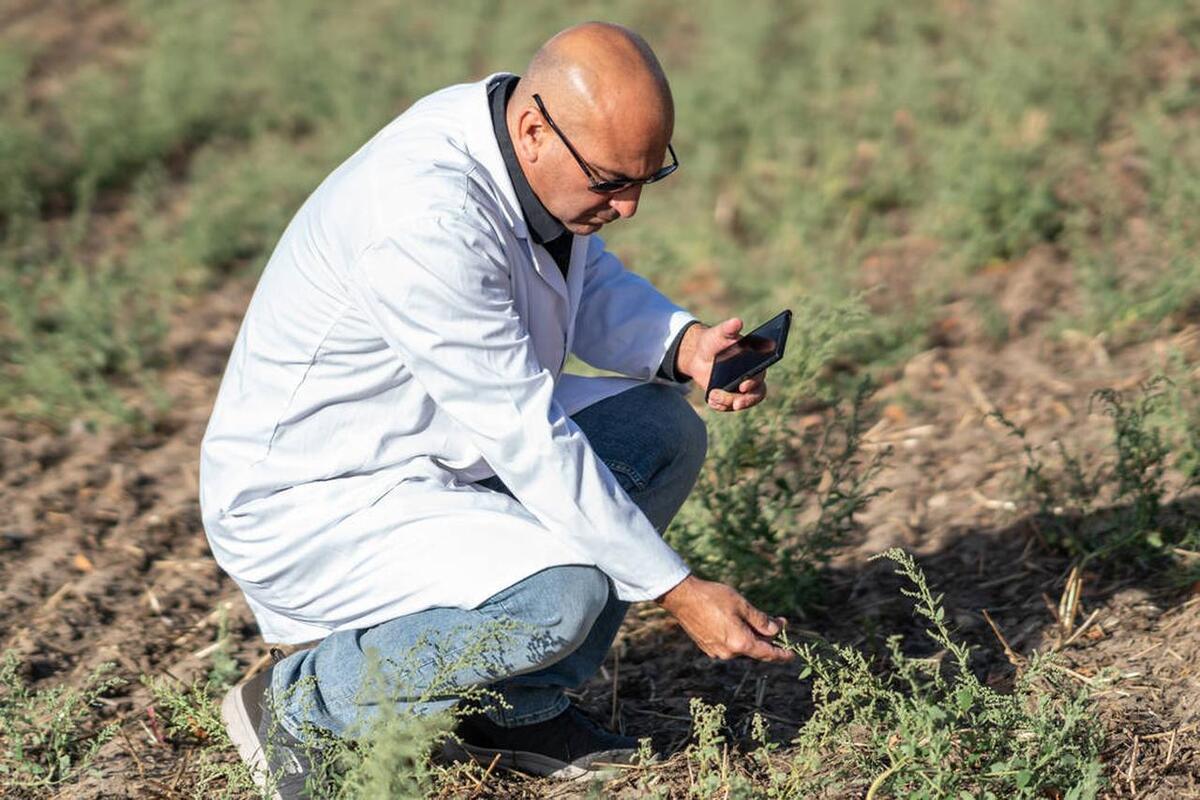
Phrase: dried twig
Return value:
(1001, 581)
(1076, 675)
(1144, 651)
(183, 762)
(258, 666)
(1068, 604)
(479, 782)
(659, 714)
(1132, 763)
(615, 686)
(1013, 658)
(982, 403)
(1080, 630)
(132, 752)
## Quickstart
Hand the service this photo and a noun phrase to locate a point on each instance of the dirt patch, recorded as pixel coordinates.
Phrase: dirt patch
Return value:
(103, 555)
(63, 36)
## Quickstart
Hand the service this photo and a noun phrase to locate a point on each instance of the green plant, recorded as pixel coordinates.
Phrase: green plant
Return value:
(773, 501)
(192, 717)
(1112, 509)
(388, 755)
(913, 726)
(225, 670)
(927, 727)
(970, 128)
(49, 735)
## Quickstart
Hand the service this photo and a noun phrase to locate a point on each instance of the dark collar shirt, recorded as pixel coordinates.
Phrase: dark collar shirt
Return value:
(544, 227)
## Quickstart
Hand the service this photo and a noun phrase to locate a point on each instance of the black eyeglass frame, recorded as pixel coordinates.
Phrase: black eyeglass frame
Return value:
(599, 186)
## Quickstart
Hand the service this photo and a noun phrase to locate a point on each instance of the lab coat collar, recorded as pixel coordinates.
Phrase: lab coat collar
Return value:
(543, 226)
(483, 147)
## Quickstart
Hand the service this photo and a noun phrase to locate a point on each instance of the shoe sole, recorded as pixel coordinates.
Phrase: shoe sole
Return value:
(538, 764)
(244, 737)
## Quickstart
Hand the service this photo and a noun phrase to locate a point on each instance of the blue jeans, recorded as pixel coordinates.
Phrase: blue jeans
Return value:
(550, 631)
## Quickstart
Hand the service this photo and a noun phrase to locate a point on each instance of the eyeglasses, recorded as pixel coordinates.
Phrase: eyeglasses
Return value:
(607, 187)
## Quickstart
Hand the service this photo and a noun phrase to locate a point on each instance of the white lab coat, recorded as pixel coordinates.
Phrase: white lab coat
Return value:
(407, 339)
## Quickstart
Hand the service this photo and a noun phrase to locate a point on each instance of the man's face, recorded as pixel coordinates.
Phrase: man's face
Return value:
(630, 149)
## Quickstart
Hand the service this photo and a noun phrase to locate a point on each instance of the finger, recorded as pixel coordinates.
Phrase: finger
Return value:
(744, 401)
(763, 624)
(730, 327)
(720, 400)
(752, 385)
(762, 650)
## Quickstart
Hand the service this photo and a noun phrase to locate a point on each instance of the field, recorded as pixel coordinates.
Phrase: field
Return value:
(985, 218)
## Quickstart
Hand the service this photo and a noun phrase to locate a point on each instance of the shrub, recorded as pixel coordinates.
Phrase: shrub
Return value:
(773, 500)
(49, 736)
(1111, 509)
(913, 727)
(929, 728)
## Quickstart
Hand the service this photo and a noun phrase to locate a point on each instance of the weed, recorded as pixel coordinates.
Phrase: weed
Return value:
(389, 753)
(49, 736)
(928, 728)
(903, 726)
(1112, 509)
(962, 127)
(773, 501)
(193, 717)
(225, 670)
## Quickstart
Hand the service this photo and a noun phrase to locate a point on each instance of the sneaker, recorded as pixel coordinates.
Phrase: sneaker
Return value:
(564, 747)
(275, 757)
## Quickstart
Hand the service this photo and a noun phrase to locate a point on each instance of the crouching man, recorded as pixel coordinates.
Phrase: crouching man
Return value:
(396, 458)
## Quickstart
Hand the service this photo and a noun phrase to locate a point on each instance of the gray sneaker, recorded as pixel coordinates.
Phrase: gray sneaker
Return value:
(565, 747)
(277, 759)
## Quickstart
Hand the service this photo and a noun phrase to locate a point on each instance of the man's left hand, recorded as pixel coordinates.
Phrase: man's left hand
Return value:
(699, 347)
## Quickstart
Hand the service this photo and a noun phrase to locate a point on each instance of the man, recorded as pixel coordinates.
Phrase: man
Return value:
(396, 460)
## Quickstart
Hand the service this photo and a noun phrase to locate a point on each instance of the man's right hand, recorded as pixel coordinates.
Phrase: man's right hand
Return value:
(722, 623)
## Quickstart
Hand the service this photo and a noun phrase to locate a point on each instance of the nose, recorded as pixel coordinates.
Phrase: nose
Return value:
(625, 203)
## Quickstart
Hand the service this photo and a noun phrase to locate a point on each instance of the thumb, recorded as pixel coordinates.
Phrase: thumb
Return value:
(763, 624)
(730, 327)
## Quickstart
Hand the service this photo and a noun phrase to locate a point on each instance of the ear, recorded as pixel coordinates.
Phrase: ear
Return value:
(531, 134)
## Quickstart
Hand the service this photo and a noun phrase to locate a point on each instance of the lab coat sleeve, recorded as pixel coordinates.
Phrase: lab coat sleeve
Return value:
(624, 324)
(440, 290)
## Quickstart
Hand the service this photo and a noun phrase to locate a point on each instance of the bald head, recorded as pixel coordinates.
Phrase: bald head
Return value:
(605, 90)
(602, 80)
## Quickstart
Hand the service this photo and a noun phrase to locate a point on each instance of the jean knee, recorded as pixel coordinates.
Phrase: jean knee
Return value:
(683, 433)
(693, 437)
(584, 595)
(558, 606)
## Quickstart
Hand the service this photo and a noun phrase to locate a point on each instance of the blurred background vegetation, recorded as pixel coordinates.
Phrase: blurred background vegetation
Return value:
(828, 149)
